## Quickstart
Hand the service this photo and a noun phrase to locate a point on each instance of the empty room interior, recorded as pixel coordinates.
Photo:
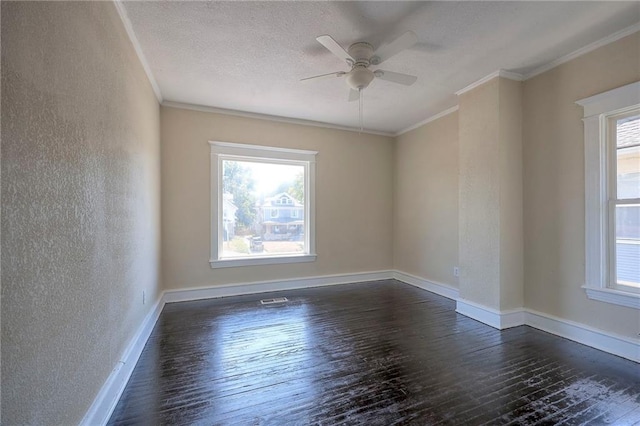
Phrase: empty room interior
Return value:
(254, 213)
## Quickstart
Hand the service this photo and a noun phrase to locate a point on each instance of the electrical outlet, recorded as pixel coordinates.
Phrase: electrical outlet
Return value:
(456, 271)
(144, 298)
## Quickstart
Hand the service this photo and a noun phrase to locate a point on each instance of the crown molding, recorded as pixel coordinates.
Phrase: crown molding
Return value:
(546, 67)
(499, 73)
(267, 117)
(584, 50)
(136, 46)
(428, 120)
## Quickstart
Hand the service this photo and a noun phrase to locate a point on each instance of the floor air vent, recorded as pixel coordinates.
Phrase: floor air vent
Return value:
(275, 300)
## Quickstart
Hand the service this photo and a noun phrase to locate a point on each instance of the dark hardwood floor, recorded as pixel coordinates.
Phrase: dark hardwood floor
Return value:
(378, 353)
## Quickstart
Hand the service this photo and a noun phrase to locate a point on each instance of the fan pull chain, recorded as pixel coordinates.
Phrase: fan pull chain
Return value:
(360, 104)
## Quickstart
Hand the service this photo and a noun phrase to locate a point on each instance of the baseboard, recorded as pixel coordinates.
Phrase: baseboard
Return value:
(496, 319)
(106, 400)
(432, 286)
(608, 342)
(238, 289)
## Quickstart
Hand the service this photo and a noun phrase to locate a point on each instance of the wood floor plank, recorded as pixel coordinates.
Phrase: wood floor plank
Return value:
(378, 353)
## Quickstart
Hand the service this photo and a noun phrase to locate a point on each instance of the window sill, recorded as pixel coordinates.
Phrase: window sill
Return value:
(252, 261)
(617, 297)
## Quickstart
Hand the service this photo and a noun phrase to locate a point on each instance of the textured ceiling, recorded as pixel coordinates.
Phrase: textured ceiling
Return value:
(250, 56)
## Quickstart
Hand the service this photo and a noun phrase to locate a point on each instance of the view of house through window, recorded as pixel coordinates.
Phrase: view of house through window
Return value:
(262, 209)
(627, 201)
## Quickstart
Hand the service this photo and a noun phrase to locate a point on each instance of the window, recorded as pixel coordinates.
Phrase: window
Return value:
(252, 190)
(612, 195)
(624, 200)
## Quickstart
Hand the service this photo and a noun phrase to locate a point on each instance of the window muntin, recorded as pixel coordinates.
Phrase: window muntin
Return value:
(624, 199)
(254, 191)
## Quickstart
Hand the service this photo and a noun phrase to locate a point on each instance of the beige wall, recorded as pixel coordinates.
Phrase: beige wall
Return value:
(426, 201)
(552, 190)
(511, 193)
(554, 185)
(0, 231)
(353, 197)
(490, 191)
(479, 195)
(80, 205)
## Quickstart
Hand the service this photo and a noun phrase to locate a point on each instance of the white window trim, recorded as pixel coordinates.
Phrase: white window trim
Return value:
(257, 153)
(597, 248)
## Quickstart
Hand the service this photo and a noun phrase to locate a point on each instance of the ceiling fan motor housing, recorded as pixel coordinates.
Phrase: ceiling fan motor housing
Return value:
(361, 51)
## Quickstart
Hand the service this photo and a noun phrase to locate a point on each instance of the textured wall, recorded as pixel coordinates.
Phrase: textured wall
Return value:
(426, 201)
(511, 204)
(479, 192)
(0, 226)
(354, 203)
(80, 205)
(554, 185)
(491, 229)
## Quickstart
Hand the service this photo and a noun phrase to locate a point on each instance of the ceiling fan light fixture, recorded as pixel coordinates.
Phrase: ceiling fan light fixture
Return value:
(359, 78)
(359, 57)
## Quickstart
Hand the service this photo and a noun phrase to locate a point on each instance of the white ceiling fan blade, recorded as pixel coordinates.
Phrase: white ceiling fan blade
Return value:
(403, 42)
(333, 46)
(354, 95)
(331, 74)
(396, 77)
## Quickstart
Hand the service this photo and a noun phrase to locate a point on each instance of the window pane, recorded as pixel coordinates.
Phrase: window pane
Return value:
(628, 157)
(628, 244)
(263, 209)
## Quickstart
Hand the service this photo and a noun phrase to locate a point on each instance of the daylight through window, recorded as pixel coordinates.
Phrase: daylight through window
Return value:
(625, 200)
(264, 205)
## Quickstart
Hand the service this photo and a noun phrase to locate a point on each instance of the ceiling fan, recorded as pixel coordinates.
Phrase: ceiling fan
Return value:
(360, 56)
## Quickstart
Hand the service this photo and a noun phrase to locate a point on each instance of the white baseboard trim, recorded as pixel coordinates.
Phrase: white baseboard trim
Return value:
(496, 319)
(106, 400)
(197, 293)
(432, 286)
(608, 342)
